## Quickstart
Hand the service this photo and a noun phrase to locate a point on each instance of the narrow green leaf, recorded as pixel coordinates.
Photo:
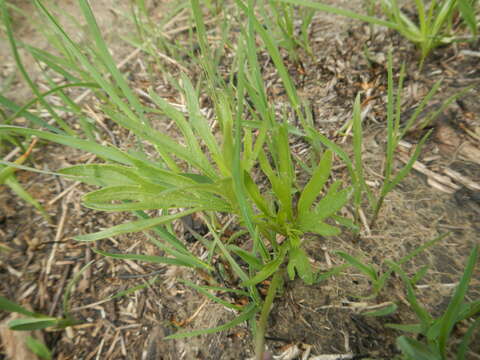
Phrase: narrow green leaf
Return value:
(390, 120)
(197, 120)
(311, 223)
(315, 185)
(146, 258)
(316, 136)
(164, 234)
(419, 310)
(106, 152)
(105, 174)
(359, 180)
(68, 290)
(468, 310)
(10, 306)
(267, 270)
(255, 194)
(134, 226)
(38, 348)
(56, 63)
(410, 328)
(349, 223)
(387, 310)
(416, 350)
(137, 198)
(163, 143)
(246, 256)
(285, 166)
(107, 59)
(332, 272)
(223, 248)
(276, 58)
(332, 202)
(366, 269)
(20, 111)
(10, 105)
(419, 274)
(238, 173)
(342, 12)
(28, 324)
(449, 318)
(386, 275)
(280, 188)
(411, 120)
(21, 67)
(468, 14)
(467, 338)
(389, 186)
(18, 189)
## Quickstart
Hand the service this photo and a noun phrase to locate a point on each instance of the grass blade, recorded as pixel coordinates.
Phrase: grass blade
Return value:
(450, 316)
(419, 310)
(23, 71)
(18, 189)
(134, 226)
(342, 12)
(366, 269)
(268, 270)
(467, 338)
(385, 311)
(10, 306)
(315, 185)
(145, 258)
(30, 324)
(108, 60)
(105, 152)
(415, 349)
(71, 284)
(38, 348)
(467, 11)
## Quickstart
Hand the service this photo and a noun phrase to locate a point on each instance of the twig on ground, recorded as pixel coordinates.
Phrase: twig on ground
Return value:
(59, 234)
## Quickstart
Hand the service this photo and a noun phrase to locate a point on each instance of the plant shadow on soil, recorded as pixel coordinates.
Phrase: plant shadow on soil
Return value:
(326, 315)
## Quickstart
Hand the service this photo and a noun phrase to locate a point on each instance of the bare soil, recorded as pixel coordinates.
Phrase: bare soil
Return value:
(325, 318)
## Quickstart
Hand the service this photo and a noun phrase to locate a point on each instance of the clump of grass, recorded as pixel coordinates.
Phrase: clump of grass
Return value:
(435, 20)
(378, 278)
(394, 134)
(283, 23)
(432, 334)
(209, 175)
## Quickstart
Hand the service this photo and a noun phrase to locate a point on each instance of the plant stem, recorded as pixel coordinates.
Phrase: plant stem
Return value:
(267, 305)
(378, 205)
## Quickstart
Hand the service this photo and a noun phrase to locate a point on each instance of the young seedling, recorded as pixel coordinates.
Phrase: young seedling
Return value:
(395, 132)
(434, 26)
(436, 331)
(375, 276)
(284, 26)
